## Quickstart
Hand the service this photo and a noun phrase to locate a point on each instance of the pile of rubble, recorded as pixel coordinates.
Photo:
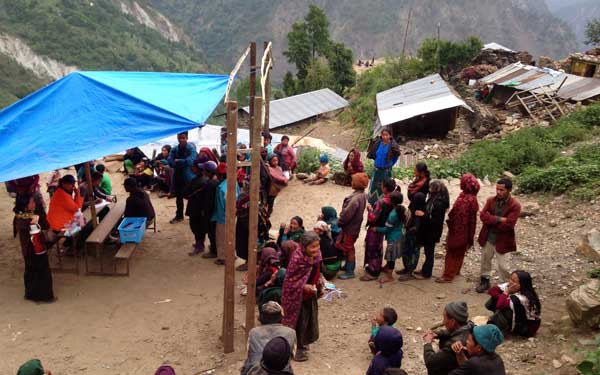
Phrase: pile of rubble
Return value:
(477, 71)
(502, 58)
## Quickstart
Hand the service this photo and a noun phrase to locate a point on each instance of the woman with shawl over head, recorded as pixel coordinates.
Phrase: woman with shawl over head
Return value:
(377, 218)
(421, 182)
(208, 154)
(385, 152)
(329, 215)
(462, 220)
(435, 212)
(352, 164)
(302, 286)
(37, 277)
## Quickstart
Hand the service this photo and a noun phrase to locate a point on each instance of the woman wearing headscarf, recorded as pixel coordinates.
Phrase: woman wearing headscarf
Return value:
(385, 152)
(37, 277)
(352, 164)
(302, 287)
(207, 153)
(329, 215)
(462, 220)
(377, 218)
(332, 257)
(350, 222)
(435, 212)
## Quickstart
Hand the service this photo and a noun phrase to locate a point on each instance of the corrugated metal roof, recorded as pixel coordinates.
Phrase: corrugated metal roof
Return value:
(496, 46)
(527, 77)
(425, 95)
(296, 108)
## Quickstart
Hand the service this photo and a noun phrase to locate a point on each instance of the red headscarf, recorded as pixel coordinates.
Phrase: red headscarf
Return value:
(357, 165)
(462, 218)
(209, 154)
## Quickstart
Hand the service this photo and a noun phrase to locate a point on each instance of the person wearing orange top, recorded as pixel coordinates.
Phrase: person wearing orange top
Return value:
(64, 203)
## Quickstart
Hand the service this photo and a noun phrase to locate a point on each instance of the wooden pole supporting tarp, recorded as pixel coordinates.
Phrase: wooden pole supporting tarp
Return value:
(90, 193)
(255, 129)
(267, 83)
(229, 286)
(252, 83)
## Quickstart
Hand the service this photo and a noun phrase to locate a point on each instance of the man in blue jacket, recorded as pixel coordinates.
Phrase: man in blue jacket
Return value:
(181, 159)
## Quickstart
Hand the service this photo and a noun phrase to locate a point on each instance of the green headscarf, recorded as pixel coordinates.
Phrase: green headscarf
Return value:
(31, 367)
(329, 214)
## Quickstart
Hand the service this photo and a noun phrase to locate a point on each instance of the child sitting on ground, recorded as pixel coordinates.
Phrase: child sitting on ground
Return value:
(144, 175)
(321, 175)
(388, 345)
(385, 317)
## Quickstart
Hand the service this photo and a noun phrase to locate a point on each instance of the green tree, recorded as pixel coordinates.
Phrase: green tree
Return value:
(446, 56)
(242, 91)
(317, 27)
(592, 32)
(299, 47)
(289, 84)
(318, 77)
(341, 65)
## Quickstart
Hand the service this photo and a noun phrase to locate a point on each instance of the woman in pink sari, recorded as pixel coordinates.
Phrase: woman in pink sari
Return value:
(278, 181)
(302, 286)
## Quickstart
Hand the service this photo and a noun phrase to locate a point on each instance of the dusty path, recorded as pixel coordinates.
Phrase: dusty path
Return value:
(114, 325)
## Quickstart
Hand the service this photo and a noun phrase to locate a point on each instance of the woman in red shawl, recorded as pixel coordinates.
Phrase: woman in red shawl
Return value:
(351, 165)
(207, 152)
(302, 287)
(462, 220)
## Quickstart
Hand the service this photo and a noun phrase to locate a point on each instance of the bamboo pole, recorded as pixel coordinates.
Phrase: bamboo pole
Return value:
(253, 218)
(229, 285)
(267, 91)
(90, 193)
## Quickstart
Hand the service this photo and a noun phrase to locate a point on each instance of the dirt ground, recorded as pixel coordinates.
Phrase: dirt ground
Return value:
(169, 310)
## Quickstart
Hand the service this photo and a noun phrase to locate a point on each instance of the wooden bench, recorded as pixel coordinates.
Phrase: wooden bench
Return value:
(127, 249)
(97, 237)
(125, 252)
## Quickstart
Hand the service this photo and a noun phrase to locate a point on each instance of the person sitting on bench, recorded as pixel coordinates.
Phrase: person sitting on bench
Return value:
(138, 203)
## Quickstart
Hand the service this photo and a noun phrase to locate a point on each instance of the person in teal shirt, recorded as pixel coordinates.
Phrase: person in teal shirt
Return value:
(394, 234)
(219, 213)
(105, 184)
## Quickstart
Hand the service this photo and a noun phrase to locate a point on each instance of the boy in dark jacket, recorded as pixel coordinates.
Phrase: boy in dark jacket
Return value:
(350, 221)
(388, 344)
(456, 329)
(138, 203)
(497, 236)
(433, 224)
(479, 356)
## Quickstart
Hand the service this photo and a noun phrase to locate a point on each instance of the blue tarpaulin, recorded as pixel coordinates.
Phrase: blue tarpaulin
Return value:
(87, 115)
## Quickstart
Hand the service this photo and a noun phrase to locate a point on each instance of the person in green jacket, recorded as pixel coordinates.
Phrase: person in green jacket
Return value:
(394, 234)
(105, 184)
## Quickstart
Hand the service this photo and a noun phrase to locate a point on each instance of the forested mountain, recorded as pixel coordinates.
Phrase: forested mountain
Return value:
(222, 28)
(576, 13)
(41, 40)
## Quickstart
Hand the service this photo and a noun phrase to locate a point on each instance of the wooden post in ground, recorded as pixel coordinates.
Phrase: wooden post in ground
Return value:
(229, 285)
(267, 97)
(252, 86)
(406, 32)
(90, 193)
(255, 129)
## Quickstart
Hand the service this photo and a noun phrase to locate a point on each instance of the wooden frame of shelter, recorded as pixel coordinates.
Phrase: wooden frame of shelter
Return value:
(541, 105)
(259, 115)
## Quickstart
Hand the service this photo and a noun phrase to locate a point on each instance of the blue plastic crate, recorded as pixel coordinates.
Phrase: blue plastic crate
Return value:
(132, 229)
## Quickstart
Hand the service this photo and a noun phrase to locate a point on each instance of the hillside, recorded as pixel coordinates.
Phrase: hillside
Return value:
(576, 13)
(374, 28)
(53, 37)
